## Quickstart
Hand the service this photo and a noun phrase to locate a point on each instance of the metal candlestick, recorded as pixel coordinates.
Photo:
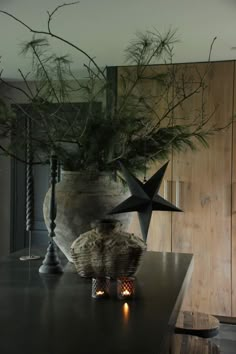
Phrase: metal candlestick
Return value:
(29, 191)
(51, 263)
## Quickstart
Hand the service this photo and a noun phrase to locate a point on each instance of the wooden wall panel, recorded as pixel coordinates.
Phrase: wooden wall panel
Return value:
(207, 227)
(159, 236)
(204, 228)
(234, 209)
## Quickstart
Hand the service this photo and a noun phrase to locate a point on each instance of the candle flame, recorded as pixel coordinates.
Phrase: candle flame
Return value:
(99, 292)
(126, 292)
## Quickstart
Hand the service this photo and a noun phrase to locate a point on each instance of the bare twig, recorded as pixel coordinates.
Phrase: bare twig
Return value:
(53, 35)
(7, 83)
(46, 73)
(51, 14)
(211, 47)
(24, 77)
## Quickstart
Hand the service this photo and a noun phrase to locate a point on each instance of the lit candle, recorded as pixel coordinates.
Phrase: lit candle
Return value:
(126, 293)
(100, 292)
(100, 287)
(125, 287)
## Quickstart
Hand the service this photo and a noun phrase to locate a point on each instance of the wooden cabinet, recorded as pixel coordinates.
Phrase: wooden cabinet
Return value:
(159, 238)
(204, 228)
(233, 203)
(207, 180)
(159, 235)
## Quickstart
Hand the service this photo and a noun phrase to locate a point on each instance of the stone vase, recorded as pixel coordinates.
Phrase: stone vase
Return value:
(82, 198)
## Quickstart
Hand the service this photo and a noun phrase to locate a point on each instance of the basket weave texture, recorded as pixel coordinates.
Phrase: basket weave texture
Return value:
(106, 250)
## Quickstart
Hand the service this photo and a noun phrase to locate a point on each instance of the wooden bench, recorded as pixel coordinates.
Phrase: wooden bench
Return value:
(184, 344)
(197, 324)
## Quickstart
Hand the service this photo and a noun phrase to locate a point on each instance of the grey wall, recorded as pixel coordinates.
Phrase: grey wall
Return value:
(8, 174)
(11, 96)
(103, 28)
(5, 200)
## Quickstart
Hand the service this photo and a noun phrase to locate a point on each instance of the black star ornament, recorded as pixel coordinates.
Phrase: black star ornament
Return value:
(144, 198)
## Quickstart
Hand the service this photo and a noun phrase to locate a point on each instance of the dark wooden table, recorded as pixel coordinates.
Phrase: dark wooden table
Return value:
(56, 315)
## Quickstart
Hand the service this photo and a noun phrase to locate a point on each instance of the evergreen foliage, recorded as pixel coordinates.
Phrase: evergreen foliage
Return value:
(144, 123)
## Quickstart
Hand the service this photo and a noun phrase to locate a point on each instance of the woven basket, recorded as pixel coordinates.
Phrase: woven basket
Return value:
(106, 250)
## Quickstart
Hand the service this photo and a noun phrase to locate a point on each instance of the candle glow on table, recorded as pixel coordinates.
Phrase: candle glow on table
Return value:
(125, 309)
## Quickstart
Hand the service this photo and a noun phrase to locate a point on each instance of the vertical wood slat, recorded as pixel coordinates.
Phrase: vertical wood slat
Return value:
(159, 236)
(234, 206)
(204, 228)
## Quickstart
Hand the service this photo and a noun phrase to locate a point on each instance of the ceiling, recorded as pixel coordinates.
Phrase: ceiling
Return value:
(103, 28)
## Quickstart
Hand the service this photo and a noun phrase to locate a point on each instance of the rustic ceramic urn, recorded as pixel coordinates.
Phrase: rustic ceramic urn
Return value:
(106, 250)
(80, 199)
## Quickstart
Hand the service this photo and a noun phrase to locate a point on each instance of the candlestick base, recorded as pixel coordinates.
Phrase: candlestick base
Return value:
(51, 263)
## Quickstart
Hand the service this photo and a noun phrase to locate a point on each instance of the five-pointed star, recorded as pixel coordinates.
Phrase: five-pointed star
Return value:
(144, 198)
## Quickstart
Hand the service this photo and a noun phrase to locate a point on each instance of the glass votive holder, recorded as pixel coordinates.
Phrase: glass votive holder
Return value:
(125, 287)
(100, 287)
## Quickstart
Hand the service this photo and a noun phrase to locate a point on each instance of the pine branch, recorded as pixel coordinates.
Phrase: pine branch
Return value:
(53, 35)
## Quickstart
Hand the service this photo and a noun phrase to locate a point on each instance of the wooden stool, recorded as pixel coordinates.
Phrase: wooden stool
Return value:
(184, 344)
(197, 324)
